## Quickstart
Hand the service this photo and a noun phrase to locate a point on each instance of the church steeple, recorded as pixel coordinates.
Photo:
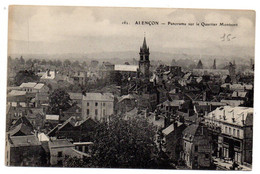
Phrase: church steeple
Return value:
(144, 62)
(144, 44)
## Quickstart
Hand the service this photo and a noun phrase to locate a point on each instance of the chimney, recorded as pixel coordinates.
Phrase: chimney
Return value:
(243, 119)
(175, 125)
(233, 118)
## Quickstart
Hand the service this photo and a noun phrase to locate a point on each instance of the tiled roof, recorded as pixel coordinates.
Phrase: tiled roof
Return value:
(28, 85)
(51, 76)
(60, 143)
(238, 113)
(52, 117)
(29, 140)
(168, 130)
(16, 93)
(239, 94)
(190, 131)
(132, 68)
(98, 97)
(75, 96)
(39, 86)
(26, 130)
(173, 103)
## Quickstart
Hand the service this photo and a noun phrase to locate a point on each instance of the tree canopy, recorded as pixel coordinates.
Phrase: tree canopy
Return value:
(123, 143)
(59, 100)
(25, 76)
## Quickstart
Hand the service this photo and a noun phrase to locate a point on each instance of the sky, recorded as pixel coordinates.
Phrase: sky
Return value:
(85, 30)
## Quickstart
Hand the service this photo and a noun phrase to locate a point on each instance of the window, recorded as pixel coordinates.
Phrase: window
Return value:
(234, 132)
(206, 155)
(87, 103)
(238, 133)
(226, 129)
(80, 148)
(60, 154)
(104, 104)
(229, 130)
(196, 148)
(96, 104)
(87, 111)
(96, 112)
(104, 112)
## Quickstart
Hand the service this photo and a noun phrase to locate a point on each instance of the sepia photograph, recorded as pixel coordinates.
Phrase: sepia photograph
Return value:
(131, 88)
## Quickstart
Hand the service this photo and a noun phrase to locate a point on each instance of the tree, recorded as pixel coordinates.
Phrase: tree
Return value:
(43, 62)
(124, 143)
(25, 76)
(22, 61)
(84, 64)
(59, 100)
(76, 162)
(29, 62)
(75, 63)
(66, 63)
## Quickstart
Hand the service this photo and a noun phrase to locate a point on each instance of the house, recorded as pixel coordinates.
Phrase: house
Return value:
(17, 98)
(79, 78)
(21, 127)
(98, 106)
(74, 129)
(233, 127)
(126, 103)
(24, 151)
(168, 109)
(75, 111)
(172, 136)
(33, 87)
(62, 148)
(76, 97)
(196, 147)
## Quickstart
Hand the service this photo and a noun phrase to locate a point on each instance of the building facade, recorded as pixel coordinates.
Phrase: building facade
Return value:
(233, 130)
(97, 106)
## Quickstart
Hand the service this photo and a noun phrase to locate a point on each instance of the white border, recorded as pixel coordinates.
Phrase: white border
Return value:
(216, 4)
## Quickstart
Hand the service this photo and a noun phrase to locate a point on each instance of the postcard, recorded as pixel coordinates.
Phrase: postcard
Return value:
(114, 87)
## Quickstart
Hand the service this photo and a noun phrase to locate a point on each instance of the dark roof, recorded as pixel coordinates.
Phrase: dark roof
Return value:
(29, 140)
(21, 130)
(192, 118)
(190, 131)
(60, 143)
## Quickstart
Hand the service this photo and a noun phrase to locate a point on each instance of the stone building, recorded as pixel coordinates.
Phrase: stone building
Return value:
(232, 130)
(97, 106)
(196, 147)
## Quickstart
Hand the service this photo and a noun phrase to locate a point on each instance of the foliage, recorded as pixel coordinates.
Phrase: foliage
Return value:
(76, 162)
(66, 63)
(25, 76)
(59, 100)
(124, 143)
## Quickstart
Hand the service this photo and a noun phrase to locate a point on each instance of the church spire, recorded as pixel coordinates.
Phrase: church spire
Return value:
(144, 44)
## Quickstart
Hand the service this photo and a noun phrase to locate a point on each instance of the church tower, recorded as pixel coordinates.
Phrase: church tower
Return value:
(144, 62)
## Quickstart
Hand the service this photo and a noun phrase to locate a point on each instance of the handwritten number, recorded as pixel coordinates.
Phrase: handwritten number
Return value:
(227, 37)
